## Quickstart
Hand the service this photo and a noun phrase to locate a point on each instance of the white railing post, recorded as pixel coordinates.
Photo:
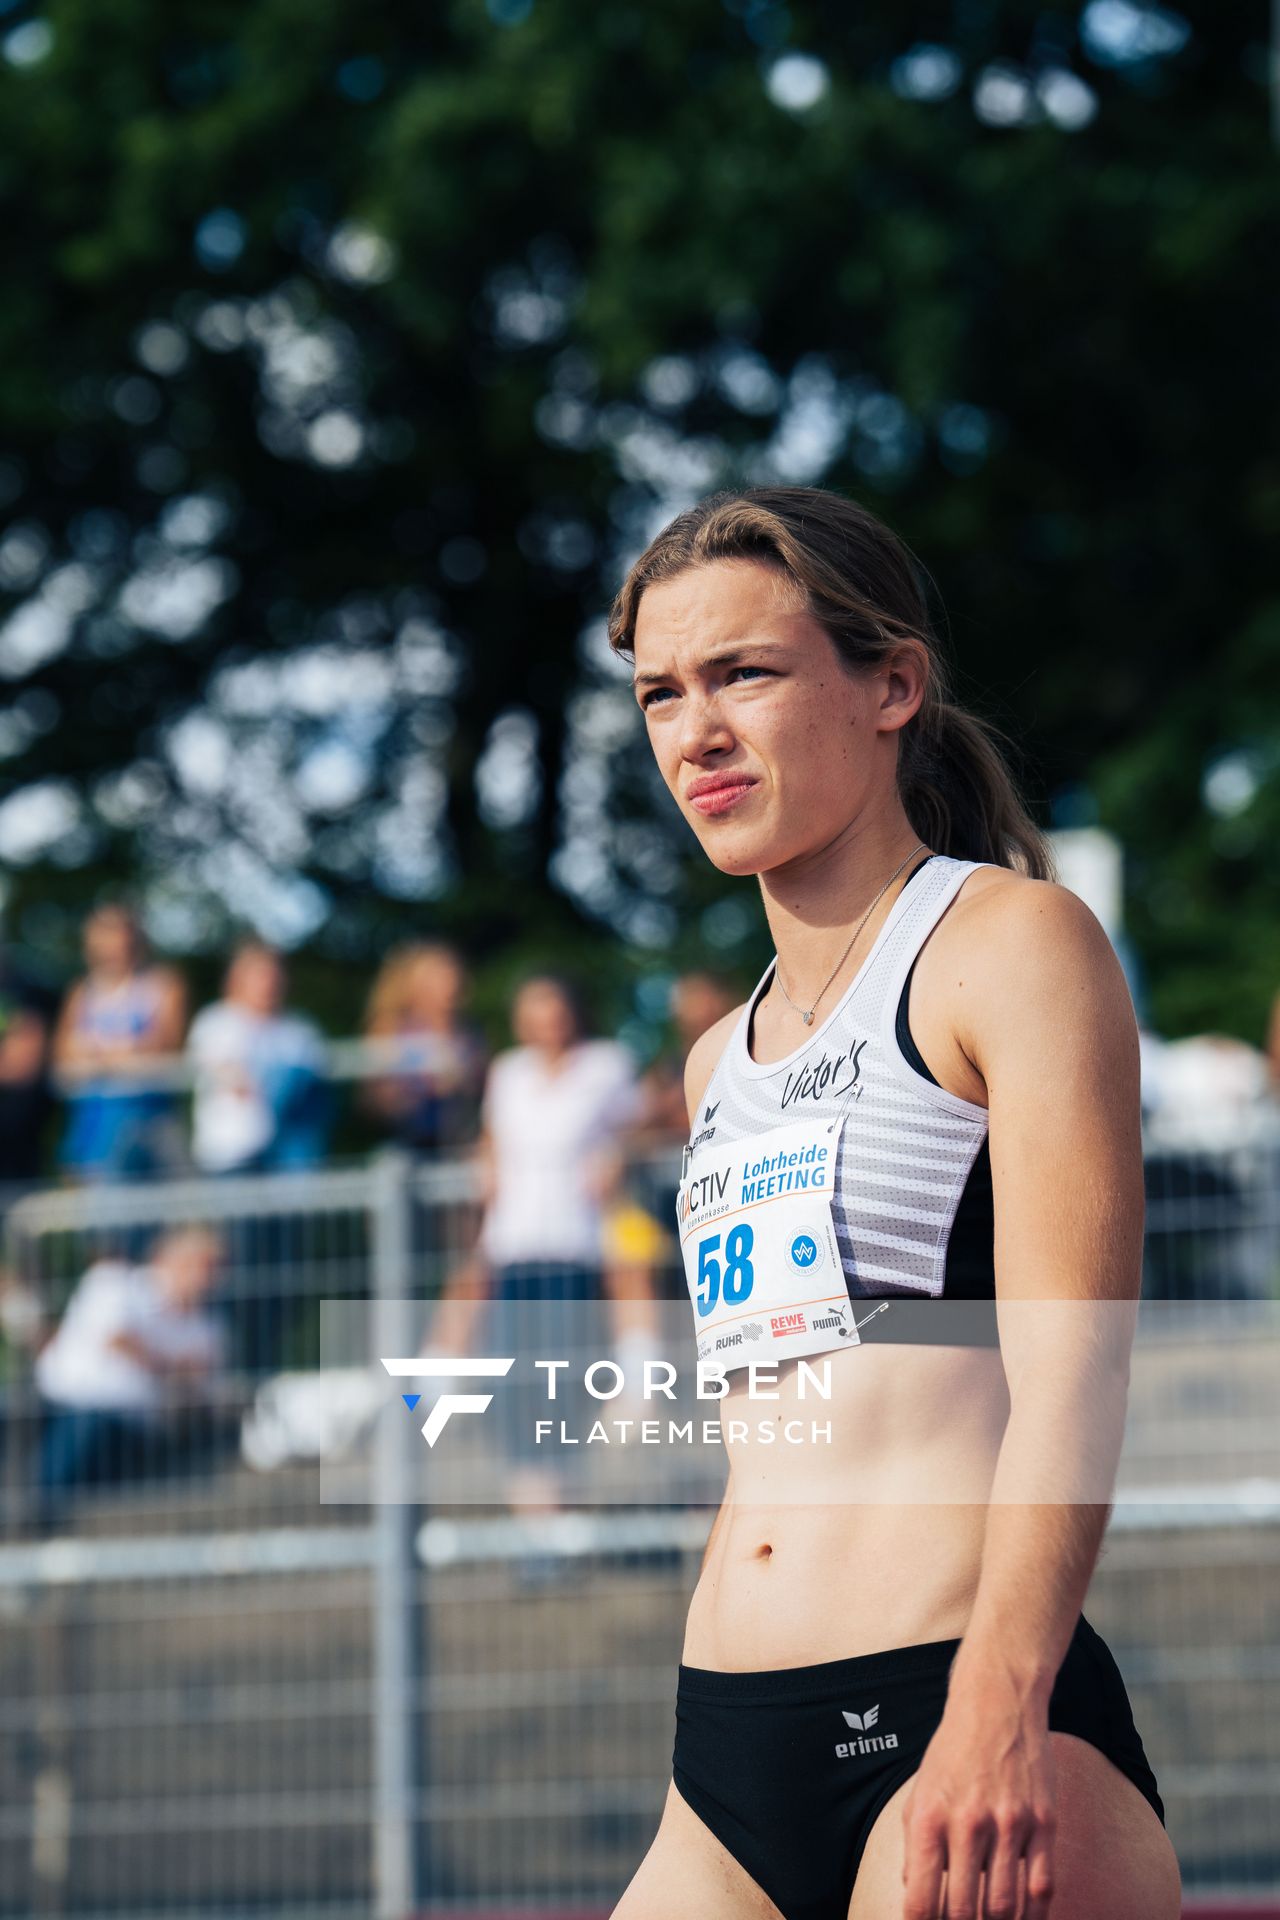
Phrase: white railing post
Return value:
(395, 1655)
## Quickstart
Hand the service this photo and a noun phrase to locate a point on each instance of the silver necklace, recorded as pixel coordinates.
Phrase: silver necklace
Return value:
(808, 1017)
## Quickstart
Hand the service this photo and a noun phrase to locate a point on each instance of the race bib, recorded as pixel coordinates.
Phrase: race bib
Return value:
(759, 1247)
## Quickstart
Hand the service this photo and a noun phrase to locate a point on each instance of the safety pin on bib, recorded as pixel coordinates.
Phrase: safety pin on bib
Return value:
(837, 1118)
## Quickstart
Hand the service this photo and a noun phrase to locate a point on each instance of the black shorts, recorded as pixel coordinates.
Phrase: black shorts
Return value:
(789, 1768)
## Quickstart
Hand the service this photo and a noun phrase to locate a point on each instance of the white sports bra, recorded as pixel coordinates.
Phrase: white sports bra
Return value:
(908, 1204)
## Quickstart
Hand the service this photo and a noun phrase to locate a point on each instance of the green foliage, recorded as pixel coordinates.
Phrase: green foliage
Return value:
(1050, 351)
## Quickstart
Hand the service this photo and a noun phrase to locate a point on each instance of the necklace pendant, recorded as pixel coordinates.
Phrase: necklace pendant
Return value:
(807, 1018)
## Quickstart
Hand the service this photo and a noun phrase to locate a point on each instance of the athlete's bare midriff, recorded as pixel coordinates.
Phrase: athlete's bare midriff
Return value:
(875, 1541)
(821, 1552)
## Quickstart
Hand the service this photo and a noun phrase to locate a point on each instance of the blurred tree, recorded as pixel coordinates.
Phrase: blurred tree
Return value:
(349, 353)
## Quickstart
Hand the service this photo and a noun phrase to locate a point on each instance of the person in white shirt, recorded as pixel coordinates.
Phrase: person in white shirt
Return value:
(262, 1104)
(555, 1111)
(135, 1346)
(259, 1073)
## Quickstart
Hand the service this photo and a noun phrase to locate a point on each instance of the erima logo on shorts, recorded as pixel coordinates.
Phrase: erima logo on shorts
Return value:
(870, 1742)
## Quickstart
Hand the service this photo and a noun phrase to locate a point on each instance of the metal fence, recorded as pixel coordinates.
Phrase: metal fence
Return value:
(220, 1696)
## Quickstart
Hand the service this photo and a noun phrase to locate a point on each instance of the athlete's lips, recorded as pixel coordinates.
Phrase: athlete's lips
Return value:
(717, 792)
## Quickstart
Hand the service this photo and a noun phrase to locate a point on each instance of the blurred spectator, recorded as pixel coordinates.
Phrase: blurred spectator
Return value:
(698, 1000)
(1211, 1135)
(262, 1104)
(1273, 1046)
(26, 1099)
(555, 1109)
(117, 1019)
(1208, 1090)
(431, 1097)
(641, 1229)
(134, 1352)
(261, 1098)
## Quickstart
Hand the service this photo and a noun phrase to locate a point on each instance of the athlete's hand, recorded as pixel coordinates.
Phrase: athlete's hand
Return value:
(980, 1805)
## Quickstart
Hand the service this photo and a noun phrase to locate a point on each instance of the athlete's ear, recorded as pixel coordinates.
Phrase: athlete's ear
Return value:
(901, 680)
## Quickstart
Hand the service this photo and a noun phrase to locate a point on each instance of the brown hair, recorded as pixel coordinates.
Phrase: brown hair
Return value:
(867, 589)
(390, 996)
(571, 991)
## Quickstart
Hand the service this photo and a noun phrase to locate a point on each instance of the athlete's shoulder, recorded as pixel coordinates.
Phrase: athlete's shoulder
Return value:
(1003, 915)
(1022, 946)
(704, 1056)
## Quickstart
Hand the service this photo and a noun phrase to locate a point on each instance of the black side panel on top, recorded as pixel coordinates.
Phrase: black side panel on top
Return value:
(970, 1270)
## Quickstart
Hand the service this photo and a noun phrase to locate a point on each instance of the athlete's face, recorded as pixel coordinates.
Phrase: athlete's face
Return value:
(741, 686)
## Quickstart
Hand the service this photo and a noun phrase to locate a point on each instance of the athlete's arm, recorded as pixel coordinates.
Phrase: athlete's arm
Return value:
(1044, 1013)
(1052, 1030)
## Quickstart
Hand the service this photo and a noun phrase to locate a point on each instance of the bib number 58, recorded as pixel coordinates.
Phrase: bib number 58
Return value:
(731, 1283)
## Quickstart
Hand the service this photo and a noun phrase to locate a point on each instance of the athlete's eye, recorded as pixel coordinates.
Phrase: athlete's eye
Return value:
(656, 692)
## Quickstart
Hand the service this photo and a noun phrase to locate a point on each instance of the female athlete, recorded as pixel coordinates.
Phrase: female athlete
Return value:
(890, 1703)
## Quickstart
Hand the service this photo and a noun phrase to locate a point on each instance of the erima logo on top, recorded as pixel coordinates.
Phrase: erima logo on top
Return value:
(868, 1742)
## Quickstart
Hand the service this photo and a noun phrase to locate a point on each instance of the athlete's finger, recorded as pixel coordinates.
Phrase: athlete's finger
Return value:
(1039, 1856)
(1000, 1887)
(923, 1866)
(968, 1841)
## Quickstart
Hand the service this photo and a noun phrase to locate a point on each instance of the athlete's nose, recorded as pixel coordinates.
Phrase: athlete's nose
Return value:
(703, 727)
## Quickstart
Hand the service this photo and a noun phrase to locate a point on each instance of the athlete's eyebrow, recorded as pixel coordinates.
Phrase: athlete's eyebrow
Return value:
(724, 657)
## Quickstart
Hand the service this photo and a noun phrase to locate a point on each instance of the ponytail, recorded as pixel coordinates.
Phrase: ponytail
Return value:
(958, 794)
